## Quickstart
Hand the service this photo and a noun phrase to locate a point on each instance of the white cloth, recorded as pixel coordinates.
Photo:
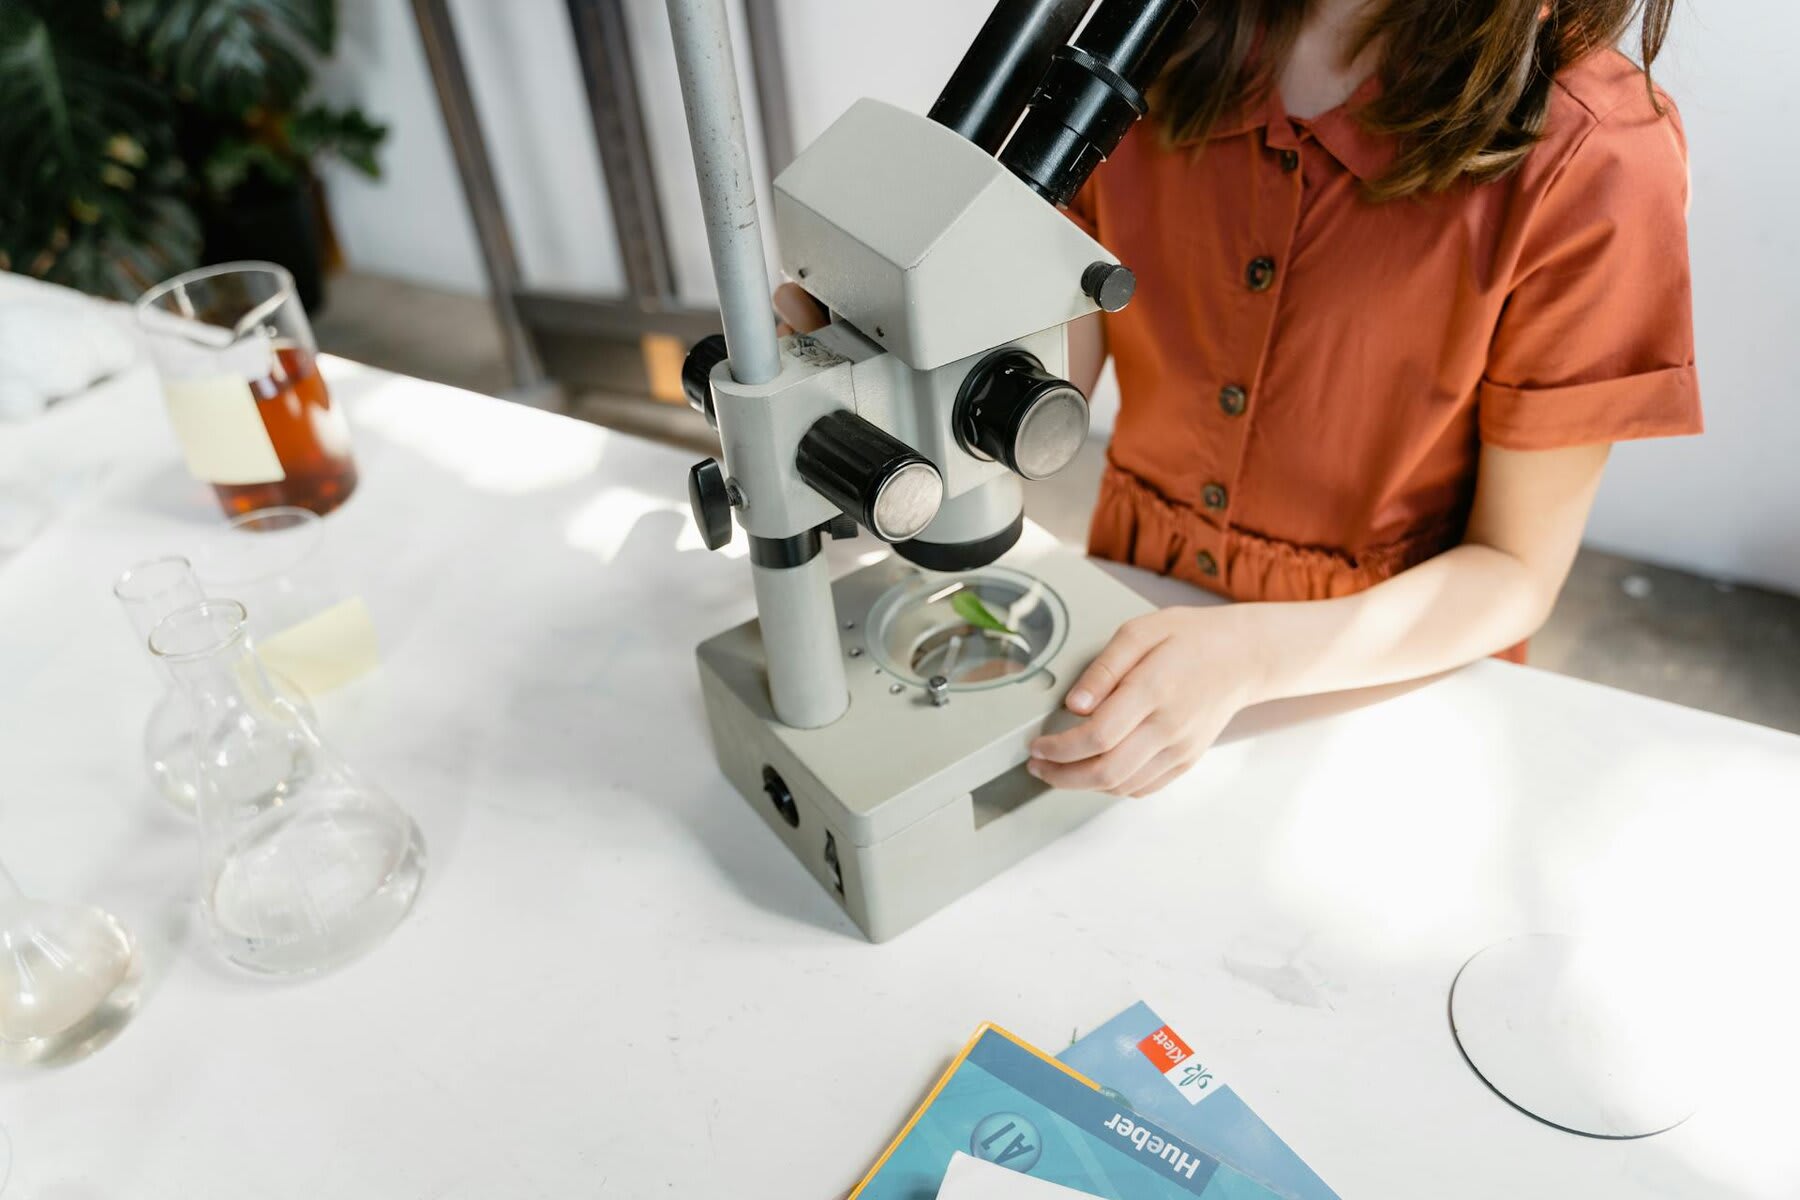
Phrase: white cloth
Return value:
(55, 343)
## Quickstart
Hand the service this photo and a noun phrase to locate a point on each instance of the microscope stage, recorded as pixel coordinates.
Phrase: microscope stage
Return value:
(903, 803)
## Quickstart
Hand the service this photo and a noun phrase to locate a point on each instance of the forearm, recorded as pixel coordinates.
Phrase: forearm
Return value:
(1168, 682)
(1493, 591)
(1465, 604)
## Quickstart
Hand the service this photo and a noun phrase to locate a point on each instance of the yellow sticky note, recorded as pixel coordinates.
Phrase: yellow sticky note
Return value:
(222, 434)
(326, 650)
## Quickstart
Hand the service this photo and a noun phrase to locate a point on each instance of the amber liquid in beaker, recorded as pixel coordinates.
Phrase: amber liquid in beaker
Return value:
(310, 436)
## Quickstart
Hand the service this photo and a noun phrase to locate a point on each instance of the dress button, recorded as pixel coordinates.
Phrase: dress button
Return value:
(1290, 160)
(1207, 563)
(1260, 275)
(1233, 400)
(1214, 497)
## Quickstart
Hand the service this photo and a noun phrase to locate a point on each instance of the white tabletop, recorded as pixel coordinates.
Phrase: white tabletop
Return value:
(618, 983)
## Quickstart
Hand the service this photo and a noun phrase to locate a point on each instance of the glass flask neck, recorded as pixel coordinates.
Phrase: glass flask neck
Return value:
(151, 590)
(252, 747)
(207, 650)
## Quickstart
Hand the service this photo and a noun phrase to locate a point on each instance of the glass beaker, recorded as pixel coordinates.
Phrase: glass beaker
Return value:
(309, 628)
(240, 374)
(271, 561)
(69, 978)
(303, 863)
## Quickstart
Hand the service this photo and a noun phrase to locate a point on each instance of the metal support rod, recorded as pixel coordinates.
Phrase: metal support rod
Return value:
(793, 604)
(799, 635)
(479, 189)
(715, 118)
(603, 48)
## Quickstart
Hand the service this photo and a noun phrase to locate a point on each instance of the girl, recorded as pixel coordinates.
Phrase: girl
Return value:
(1406, 268)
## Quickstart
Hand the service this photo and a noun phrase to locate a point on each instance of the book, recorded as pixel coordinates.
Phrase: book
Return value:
(1137, 1057)
(1011, 1104)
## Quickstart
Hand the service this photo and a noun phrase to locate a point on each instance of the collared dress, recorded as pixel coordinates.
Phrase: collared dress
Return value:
(1308, 376)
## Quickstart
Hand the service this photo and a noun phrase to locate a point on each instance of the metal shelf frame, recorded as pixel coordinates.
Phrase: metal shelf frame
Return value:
(535, 321)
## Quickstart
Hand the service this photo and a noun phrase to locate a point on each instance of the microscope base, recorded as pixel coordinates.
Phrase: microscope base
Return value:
(901, 806)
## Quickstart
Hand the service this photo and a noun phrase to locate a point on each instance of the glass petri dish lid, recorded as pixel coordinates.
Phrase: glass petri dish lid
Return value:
(978, 629)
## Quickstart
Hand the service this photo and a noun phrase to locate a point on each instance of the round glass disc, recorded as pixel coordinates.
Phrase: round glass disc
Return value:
(979, 629)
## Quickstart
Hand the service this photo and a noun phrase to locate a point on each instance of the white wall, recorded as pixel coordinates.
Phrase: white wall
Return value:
(527, 86)
(1726, 504)
(413, 224)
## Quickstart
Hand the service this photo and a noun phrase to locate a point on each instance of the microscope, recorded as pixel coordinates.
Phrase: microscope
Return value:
(879, 724)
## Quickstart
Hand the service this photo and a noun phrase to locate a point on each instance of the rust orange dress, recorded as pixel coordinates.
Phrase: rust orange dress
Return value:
(1308, 376)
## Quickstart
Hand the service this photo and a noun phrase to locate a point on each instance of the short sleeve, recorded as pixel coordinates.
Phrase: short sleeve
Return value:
(1596, 339)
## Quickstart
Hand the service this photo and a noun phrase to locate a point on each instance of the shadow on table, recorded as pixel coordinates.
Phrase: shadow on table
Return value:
(169, 491)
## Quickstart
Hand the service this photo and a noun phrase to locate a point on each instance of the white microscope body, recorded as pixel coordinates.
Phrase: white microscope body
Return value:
(880, 723)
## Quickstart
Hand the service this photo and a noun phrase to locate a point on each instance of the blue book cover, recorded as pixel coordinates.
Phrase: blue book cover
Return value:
(1006, 1102)
(1138, 1058)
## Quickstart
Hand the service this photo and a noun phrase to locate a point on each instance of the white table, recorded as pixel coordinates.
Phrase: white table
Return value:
(617, 983)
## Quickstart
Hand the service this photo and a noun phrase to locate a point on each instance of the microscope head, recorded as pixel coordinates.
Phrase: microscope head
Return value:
(959, 266)
(928, 249)
(940, 383)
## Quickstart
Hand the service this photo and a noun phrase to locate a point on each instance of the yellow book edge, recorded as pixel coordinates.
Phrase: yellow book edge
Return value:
(943, 1081)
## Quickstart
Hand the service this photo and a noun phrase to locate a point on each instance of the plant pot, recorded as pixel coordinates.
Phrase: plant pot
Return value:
(274, 223)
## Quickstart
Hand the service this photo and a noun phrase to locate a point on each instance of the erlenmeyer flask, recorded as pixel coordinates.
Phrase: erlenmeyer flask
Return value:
(303, 863)
(68, 978)
(148, 592)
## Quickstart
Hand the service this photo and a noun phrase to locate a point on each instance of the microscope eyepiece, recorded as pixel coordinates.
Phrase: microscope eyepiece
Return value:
(1093, 92)
(996, 77)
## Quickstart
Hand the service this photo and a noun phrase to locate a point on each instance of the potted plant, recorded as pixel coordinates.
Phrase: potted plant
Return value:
(153, 135)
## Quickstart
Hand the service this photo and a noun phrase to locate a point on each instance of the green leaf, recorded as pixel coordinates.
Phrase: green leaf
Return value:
(233, 160)
(232, 56)
(971, 608)
(91, 195)
(122, 254)
(349, 134)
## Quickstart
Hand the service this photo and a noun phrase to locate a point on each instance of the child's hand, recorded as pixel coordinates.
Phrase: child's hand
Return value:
(796, 311)
(1159, 694)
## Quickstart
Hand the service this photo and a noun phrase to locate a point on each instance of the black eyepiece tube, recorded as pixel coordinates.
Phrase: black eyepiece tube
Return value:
(1005, 62)
(1093, 92)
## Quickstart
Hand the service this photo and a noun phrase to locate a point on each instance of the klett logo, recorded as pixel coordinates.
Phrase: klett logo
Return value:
(1172, 1056)
(1145, 1142)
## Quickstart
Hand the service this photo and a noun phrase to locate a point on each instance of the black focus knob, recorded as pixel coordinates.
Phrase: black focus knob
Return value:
(696, 375)
(710, 498)
(886, 485)
(1110, 285)
(1013, 411)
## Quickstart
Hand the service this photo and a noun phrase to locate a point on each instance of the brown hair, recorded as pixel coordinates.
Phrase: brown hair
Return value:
(1466, 85)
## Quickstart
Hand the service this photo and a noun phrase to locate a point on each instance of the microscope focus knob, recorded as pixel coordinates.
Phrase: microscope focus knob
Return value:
(1110, 285)
(710, 498)
(1013, 411)
(890, 488)
(696, 375)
